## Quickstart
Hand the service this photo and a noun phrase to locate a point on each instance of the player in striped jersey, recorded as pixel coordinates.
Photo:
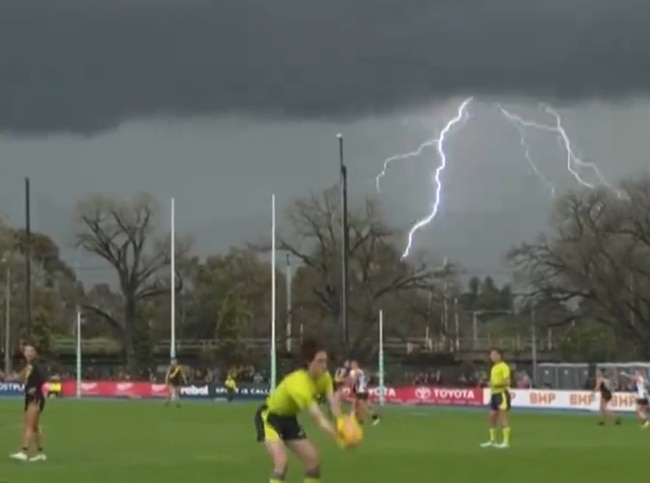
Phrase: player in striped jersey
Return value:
(342, 377)
(641, 391)
(360, 383)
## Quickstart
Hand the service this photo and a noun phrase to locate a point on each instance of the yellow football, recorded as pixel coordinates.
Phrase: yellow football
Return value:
(350, 431)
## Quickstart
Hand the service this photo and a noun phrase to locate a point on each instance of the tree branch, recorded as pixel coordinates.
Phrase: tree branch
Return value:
(109, 319)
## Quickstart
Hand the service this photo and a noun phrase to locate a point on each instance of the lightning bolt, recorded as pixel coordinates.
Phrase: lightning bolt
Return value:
(439, 143)
(524, 146)
(575, 165)
(398, 157)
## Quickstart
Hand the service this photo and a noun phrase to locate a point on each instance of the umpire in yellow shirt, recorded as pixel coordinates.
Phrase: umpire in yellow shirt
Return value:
(231, 387)
(499, 401)
(276, 422)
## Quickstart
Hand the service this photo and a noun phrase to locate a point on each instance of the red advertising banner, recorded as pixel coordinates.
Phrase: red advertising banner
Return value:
(113, 389)
(428, 395)
(414, 395)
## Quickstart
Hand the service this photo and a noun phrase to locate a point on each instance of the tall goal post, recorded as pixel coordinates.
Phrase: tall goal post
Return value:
(380, 365)
(273, 354)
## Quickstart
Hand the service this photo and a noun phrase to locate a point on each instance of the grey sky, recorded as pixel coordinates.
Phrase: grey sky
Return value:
(87, 65)
(223, 171)
(222, 102)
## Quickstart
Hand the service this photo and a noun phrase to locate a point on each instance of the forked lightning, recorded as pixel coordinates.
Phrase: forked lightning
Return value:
(524, 146)
(439, 142)
(398, 157)
(575, 165)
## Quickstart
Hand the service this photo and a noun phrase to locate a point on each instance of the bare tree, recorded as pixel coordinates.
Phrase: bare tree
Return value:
(379, 279)
(123, 232)
(597, 260)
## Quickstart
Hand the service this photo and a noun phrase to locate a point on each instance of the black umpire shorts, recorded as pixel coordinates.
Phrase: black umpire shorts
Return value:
(273, 427)
(500, 402)
(38, 400)
(361, 396)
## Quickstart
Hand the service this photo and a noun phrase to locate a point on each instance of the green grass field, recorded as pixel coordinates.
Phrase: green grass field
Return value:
(139, 441)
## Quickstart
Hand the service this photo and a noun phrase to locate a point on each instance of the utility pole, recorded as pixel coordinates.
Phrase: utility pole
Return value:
(345, 247)
(28, 258)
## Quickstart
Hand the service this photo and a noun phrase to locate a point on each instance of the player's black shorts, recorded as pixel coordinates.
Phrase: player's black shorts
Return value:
(175, 383)
(500, 402)
(270, 427)
(642, 401)
(606, 396)
(35, 399)
(361, 396)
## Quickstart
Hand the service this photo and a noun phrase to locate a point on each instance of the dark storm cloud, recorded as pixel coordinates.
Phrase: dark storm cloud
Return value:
(85, 65)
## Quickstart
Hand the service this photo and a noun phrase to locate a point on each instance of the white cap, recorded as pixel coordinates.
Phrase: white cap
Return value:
(339, 135)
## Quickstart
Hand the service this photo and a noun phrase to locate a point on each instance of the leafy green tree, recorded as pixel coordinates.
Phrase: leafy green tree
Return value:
(45, 253)
(489, 297)
(506, 298)
(218, 278)
(588, 341)
(234, 316)
(7, 241)
(42, 328)
(469, 299)
(55, 290)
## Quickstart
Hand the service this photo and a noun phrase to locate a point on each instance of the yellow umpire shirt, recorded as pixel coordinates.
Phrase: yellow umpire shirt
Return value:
(500, 378)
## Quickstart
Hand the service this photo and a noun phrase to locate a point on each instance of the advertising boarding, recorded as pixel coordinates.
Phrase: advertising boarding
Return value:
(566, 400)
(11, 389)
(543, 399)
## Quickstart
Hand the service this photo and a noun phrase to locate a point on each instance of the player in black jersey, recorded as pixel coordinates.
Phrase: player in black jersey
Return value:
(174, 379)
(604, 387)
(34, 380)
